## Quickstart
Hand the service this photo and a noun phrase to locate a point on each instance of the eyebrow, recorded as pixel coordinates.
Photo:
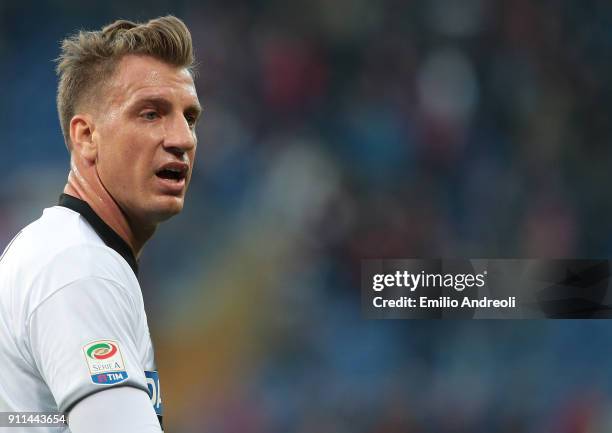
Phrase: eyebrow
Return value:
(195, 109)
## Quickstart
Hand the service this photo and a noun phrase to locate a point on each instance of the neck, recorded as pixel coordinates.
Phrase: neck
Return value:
(85, 184)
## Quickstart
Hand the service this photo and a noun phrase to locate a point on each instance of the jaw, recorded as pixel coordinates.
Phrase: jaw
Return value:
(144, 219)
(167, 207)
(150, 204)
(163, 207)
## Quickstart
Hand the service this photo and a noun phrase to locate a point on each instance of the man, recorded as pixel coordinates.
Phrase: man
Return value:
(73, 331)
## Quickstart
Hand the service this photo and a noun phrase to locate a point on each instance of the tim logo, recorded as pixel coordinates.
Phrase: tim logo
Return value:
(109, 378)
(154, 391)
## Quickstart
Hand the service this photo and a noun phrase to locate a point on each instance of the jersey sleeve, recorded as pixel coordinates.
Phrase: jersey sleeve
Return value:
(84, 339)
(125, 410)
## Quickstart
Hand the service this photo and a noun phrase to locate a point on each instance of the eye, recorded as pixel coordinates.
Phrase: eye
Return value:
(150, 115)
(191, 120)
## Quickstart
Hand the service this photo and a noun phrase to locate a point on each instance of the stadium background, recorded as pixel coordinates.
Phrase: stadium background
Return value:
(347, 129)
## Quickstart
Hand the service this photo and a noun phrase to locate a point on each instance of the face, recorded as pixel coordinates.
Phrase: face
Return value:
(145, 138)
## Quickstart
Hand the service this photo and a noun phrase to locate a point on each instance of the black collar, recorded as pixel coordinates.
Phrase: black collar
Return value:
(107, 234)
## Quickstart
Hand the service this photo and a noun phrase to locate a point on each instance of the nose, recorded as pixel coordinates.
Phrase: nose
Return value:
(180, 138)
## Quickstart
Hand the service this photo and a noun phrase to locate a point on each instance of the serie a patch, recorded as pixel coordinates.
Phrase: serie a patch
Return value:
(105, 362)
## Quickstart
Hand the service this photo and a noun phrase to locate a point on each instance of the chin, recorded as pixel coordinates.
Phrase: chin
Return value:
(166, 208)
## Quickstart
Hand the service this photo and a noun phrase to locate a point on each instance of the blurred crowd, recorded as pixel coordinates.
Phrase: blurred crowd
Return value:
(339, 130)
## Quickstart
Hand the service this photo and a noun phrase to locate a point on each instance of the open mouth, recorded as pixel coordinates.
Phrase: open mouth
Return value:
(173, 172)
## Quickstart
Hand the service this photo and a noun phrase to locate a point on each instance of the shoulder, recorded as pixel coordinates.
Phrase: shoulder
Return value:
(57, 238)
(56, 250)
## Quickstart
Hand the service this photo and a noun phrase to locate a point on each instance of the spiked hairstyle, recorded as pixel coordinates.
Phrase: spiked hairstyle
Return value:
(88, 59)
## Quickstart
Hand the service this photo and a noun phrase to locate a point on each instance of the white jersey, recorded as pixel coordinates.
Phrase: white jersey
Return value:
(72, 318)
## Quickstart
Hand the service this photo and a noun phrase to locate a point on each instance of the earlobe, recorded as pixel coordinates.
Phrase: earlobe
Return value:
(82, 137)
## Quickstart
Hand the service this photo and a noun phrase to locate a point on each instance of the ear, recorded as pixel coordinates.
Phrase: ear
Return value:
(81, 136)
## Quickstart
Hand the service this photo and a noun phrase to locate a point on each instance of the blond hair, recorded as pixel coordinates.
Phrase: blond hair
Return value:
(88, 58)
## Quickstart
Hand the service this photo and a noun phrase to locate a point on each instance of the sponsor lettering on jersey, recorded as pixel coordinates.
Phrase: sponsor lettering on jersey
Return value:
(105, 362)
(154, 391)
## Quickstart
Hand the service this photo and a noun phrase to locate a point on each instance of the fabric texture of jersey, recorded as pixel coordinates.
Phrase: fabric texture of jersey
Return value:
(68, 303)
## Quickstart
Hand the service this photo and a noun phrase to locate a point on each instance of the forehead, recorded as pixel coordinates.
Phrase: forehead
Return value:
(137, 76)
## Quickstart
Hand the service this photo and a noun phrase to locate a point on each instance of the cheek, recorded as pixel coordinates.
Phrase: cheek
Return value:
(120, 159)
(127, 155)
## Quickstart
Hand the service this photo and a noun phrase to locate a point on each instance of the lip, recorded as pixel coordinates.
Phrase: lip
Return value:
(170, 186)
(174, 165)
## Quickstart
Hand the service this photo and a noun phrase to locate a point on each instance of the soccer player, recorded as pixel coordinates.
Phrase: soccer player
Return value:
(73, 331)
